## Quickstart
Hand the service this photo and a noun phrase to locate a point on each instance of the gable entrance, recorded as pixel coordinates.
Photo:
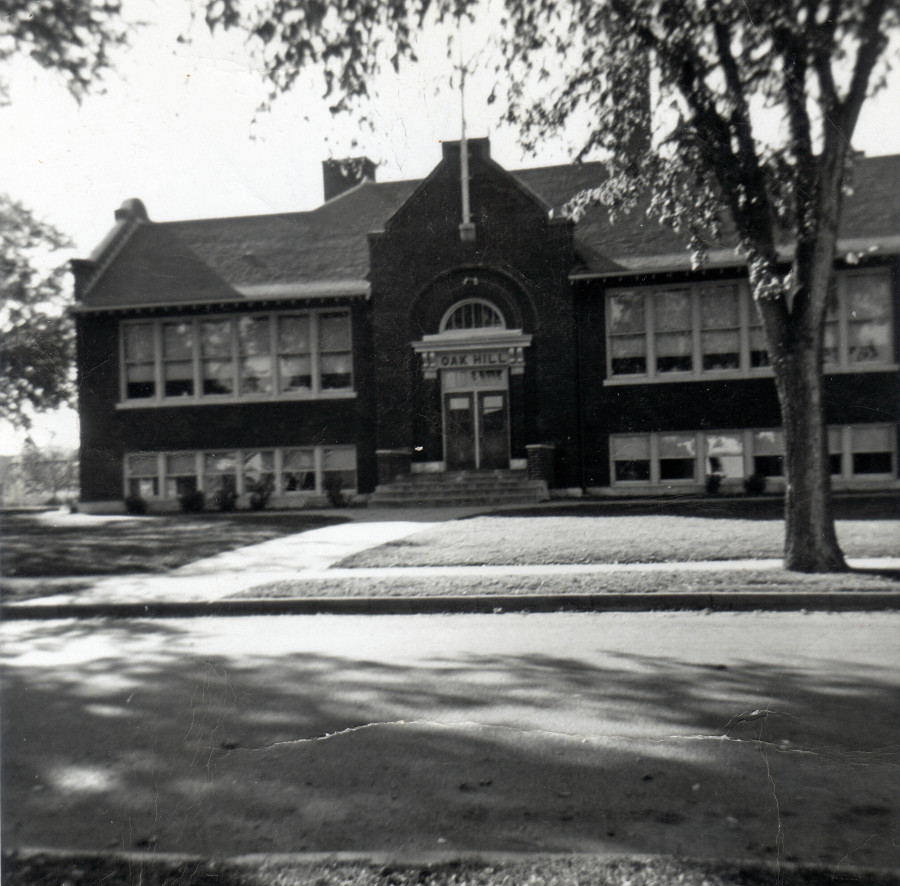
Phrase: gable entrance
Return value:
(474, 355)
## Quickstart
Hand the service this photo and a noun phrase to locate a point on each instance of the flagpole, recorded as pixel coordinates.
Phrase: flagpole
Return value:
(466, 228)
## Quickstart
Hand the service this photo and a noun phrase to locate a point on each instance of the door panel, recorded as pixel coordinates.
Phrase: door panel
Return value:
(493, 429)
(459, 431)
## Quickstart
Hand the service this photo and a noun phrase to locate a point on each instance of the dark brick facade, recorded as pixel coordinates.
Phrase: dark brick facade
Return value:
(419, 267)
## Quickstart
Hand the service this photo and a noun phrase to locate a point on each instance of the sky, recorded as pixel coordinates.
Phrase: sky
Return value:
(175, 127)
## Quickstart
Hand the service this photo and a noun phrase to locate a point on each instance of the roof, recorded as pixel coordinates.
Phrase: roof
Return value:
(325, 253)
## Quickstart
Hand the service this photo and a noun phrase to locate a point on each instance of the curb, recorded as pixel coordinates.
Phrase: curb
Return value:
(150, 861)
(848, 601)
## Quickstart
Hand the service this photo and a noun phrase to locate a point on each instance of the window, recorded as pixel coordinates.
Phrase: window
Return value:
(250, 357)
(140, 361)
(720, 327)
(258, 468)
(219, 473)
(217, 359)
(873, 452)
(299, 471)
(286, 471)
(725, 454)
(334, 351)
(294, 356)
(768, 453)
(627, 334)
(673, 336)
(143, 476)
(178, 359)
(631, 458)
(867, 308)
(254, 351)
(856, 452)
(339, 466)
(472, 314)
(704, 328)
(835, 451)
(677, 456)
(181, 474)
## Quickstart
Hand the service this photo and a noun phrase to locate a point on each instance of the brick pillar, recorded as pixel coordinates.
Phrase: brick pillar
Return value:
(542, 463)
(392, 463)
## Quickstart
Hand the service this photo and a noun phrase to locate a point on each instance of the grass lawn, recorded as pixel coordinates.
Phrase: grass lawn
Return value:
(53, 543)
(624, 582)
(634, 532)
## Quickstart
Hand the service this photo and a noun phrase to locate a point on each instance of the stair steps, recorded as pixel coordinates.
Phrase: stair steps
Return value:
(459, 488)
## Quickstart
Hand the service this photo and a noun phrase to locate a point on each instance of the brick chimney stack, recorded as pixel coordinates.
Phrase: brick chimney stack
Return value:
(341, 175)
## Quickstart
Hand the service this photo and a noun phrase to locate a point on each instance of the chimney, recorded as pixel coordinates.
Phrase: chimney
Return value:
(340, 175)
(132, 209)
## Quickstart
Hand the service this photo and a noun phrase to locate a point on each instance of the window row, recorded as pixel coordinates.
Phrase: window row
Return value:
(855, 451)
(309, 469)
(715, 327)
(256, 356)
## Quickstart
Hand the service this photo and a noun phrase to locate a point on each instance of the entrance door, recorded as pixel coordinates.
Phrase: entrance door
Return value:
(476, 430)
(493, 431)
(459, 431)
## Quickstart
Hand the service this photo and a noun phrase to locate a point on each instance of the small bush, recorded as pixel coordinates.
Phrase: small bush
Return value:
(225, 499)
(713, 482)
(334, 489)
(136, 505)
(192, 502)
(755, 484)
(260, 492)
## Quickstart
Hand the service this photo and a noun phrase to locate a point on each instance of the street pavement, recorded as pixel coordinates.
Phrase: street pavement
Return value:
(763, 735)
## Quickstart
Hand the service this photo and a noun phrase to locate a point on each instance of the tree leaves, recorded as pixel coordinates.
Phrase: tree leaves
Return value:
(36, 335)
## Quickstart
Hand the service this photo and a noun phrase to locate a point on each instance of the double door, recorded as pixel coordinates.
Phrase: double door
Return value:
(476, 430)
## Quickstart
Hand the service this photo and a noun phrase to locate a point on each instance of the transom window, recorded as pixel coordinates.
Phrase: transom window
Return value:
(472, 314)
(667, 333)
(855, 452)
(302, 354)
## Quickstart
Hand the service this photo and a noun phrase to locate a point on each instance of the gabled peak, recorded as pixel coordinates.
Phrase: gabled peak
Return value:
(132, 209)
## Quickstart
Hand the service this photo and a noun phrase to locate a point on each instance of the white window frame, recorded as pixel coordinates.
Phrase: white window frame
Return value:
(843, 433)
(460, 305)
(748, 320)
(199, 459)
(315, 392)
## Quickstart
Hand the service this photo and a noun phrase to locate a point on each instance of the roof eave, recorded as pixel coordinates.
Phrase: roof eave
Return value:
(853, 249)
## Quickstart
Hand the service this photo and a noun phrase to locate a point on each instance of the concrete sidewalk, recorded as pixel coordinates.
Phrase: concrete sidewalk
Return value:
(310, 555)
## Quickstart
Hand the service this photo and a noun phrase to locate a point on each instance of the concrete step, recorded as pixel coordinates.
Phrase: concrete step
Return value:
(468, 488)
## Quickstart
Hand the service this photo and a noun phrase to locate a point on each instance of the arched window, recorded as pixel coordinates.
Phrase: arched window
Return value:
(472, 314)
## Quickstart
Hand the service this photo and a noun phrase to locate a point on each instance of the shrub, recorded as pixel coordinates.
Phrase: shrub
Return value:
(755, 484)
(134, 504)
(261, 491)
(225, 499)
(713, 482)
(192, 502)
(334, 489)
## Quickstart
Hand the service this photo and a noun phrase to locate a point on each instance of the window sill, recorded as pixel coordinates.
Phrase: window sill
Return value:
(737, 375)
(226, 400)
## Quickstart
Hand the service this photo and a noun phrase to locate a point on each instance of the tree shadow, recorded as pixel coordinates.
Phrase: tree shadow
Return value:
(118, 736)
(141, 544)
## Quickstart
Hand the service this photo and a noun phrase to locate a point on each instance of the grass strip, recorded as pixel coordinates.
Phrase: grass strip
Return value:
(687, 581)
(35, 869)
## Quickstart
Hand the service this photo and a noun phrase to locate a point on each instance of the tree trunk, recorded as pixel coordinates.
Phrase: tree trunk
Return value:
(811, 543)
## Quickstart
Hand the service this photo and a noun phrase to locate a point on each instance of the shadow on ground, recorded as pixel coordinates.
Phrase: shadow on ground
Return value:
(128, 741)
